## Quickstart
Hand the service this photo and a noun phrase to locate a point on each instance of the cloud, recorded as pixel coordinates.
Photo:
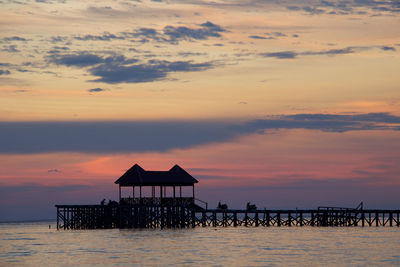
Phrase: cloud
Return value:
(131, 74)
(85, 60)
(58, 49)
(16, 2)
(13, 38)
(36, 137)
(79, 60)
(104, 37)
(258, 37)
(10, 49)
(343, 7)
(139, 73)
(96, 90)
(327, 122)
(119, 69)
(50, 1)
(313, 10)
(108, 12)
(146, 34)
(269, 36)
(53, 170)
(212, 27)
(281, 55)
(135, 136)
(330, 52)
(58, 39)
(388, 48)
(376, 5)
(277, 34)
(206, 30)
(188, 54)
(169, 34)
(63, 48)
(4, 72)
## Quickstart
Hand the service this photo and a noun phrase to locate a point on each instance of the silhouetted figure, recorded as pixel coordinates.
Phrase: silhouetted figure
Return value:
(102, 202)
(250, 206)
(222, 206)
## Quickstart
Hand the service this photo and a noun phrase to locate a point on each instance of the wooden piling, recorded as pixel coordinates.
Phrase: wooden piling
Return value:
(278, 218)
(256, 219)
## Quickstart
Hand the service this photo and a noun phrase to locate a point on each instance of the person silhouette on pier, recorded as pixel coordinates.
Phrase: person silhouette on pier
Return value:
(250, 206)
(222, 206)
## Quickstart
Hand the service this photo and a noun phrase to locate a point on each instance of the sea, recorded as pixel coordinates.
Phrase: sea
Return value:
(40, 244)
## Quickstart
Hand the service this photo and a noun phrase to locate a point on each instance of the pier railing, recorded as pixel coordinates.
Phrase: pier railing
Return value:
(156, 201)
(203, 204)
(289, 218)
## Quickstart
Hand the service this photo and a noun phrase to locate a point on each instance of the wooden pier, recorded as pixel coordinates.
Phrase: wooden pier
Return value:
(135, 216)
(167, 207)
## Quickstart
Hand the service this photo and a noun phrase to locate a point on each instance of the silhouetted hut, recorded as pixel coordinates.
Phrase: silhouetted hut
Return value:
(137, 178)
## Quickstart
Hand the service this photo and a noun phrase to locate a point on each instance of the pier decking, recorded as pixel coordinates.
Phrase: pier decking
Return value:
(135, 216)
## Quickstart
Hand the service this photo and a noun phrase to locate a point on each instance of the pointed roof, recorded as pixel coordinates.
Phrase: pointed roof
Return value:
(137, 176)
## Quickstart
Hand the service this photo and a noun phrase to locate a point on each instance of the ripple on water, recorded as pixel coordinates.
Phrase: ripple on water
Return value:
(20, 238)
(36, 245)
(19, 253)
(91, 250)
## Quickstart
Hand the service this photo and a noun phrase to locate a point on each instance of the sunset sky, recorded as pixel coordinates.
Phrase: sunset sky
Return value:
(286, 104)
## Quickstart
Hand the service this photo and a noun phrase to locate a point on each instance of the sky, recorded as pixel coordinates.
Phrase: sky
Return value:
(285, 104)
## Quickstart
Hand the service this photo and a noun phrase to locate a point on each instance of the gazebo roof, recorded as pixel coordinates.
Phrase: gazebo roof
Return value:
(137, 176)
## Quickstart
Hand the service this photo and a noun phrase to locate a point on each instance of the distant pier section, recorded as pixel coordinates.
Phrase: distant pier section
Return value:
(166, 199)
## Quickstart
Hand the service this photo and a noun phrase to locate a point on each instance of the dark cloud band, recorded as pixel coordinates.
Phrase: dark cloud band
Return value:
(110, 137)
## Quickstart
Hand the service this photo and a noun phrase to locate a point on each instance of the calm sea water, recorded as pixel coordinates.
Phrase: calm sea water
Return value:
(34, 244)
